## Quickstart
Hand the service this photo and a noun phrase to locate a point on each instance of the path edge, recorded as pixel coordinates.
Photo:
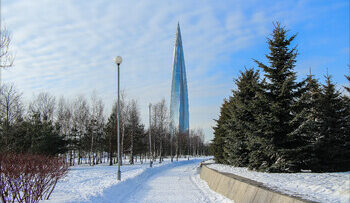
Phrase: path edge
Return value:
(244, 190)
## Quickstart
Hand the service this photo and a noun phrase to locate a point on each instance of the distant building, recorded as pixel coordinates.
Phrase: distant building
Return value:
(179, 117)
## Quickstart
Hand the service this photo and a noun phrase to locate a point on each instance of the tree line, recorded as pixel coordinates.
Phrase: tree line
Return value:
(78, 130)
(275, 123)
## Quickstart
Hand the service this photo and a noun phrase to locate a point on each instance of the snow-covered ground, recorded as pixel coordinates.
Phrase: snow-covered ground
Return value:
(321, 187)
(167, 182)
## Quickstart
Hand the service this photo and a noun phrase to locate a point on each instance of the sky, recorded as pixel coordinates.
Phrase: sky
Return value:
(66, 47)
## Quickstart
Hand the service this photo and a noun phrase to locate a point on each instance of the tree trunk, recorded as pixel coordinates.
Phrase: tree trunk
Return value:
(177, 148)
(122, 146)
(71, 158)
(110, 151)
(171, 148)
(79, 152)
(92, 162)
(131, 161)
(154, 148)
(160, 151)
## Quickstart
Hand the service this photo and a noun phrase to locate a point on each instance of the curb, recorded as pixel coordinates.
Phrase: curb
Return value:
(244, 190)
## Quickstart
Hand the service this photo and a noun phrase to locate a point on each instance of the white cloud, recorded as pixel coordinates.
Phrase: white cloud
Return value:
(66, 47)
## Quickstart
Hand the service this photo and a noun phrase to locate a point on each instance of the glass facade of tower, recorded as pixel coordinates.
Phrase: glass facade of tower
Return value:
(179, 117)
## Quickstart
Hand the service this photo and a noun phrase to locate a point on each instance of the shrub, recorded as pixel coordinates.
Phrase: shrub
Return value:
(29, 178)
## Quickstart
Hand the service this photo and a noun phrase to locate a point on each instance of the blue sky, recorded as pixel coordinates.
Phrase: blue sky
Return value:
(66, 47)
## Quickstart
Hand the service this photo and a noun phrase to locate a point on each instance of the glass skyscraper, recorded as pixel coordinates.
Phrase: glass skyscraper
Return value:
(179, 118)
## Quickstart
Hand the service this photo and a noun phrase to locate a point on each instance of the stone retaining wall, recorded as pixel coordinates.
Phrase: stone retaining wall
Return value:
(243, 190)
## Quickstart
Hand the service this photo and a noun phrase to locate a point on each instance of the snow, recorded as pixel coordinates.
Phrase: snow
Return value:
(167, 182)
(321, 187)
(83, 182)
(209, 161)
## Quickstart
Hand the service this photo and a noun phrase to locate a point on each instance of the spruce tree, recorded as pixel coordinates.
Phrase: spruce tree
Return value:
(220, 133)
(305, 135)
(346, 99)
(241, 128)
(347, 88)
(332, 146)
(281, 90)
(111, 138)
(134, 130)
(44, 137)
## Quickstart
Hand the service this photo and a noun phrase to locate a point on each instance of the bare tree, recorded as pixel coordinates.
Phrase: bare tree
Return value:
(177, 137)
(124, 111)
(135, 131)
(132, 119)
(11, 110)
(96, 126)
(159, 126)
(112, 127)
(201, 140)
(197, 141)
(80, 121)
(6, 58)
(11, 105)
(44, 105)
(154, 128)
(192, 143)
(65, 121)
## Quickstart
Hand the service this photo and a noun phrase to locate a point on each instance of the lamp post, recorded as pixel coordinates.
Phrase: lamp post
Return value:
(149, 137)
(118, 61)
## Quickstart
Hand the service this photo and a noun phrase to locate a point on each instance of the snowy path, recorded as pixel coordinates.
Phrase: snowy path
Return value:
(176, 182)
(166, 182)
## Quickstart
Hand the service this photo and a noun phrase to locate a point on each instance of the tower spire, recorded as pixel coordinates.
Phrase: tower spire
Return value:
(179, 114)
(178, 35)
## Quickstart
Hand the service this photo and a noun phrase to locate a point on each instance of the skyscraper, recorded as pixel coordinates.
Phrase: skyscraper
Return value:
(179, 118)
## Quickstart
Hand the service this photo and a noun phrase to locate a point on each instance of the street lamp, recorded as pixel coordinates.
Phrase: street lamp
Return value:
(118, 61)
(149, 137)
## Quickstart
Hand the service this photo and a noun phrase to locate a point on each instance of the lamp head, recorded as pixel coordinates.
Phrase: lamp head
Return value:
(118, 60)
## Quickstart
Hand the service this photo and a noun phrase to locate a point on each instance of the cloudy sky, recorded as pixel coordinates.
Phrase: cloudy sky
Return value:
(66, 47)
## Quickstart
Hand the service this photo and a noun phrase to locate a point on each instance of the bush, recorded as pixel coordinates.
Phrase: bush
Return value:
(29, 178)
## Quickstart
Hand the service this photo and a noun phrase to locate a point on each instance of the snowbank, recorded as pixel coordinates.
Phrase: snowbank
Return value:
(321, 187)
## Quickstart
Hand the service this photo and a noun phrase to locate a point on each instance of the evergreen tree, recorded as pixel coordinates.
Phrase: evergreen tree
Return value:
(20, 139)
(306, 135)
(90, 140)
(348, 87)
(48, 140)
(73, 144)
(332, 146)
(220, 133)
(39, 137)
(111, 138)
(240, 128)
(281, 90)
(134, 131)
(346, 99)
(259, 135)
